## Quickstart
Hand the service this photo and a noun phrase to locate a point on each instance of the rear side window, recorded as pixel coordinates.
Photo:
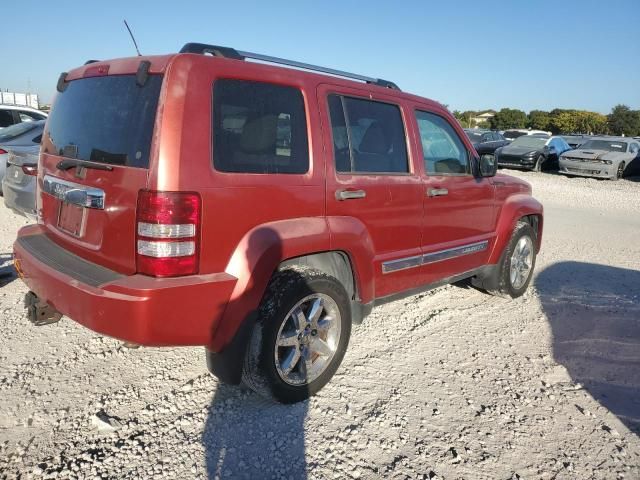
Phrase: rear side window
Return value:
(106, 119)
(368, 136)
(259, 128)
(444, 152)
(6, 118)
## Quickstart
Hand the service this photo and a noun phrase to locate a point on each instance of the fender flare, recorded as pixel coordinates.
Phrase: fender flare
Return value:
(253, 262)
(258, 255)
(514, 208)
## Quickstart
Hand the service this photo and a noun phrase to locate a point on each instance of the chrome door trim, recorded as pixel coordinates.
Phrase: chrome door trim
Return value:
(433, 257)
(74, 193)
(449, 253)
(401, 264)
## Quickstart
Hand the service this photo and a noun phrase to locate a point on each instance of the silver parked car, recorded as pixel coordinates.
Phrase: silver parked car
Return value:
(19, 183)
(23, 136)
(603, 157)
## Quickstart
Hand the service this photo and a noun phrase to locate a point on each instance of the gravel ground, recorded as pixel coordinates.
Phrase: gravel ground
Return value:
(449, 384)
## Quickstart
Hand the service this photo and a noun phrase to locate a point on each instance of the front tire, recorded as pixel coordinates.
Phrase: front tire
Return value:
(538, 165)
(517, 263)
(303, 329)
(619, 171)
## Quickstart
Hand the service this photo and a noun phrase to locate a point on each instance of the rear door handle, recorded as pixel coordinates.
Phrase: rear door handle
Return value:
(437, 192)
(350, 194)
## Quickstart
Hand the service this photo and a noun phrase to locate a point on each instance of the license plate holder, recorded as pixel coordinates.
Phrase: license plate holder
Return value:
(71, 219)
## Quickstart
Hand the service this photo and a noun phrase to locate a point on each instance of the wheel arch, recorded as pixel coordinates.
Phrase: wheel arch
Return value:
(516, 208)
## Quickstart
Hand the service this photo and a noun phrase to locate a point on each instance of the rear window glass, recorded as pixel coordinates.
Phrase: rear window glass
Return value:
(106, 119)
(259, 128)
(14, 131)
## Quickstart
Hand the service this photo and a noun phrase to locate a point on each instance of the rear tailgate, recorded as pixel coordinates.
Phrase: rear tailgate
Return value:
(90, 208)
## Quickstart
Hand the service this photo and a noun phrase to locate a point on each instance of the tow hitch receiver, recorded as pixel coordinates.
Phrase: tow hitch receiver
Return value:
(38, 312)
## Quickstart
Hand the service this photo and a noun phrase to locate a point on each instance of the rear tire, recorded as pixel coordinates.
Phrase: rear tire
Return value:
(302, 333)
(517, 263)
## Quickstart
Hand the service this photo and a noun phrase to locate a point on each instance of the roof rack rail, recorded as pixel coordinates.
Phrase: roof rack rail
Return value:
(227, 52)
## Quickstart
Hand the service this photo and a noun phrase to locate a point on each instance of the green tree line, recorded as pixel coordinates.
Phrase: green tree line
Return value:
(621, 121)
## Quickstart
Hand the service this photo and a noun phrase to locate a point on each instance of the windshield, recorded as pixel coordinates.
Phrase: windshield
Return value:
(474, 136)
(530, 141)
(106, 119)
(14, 131)
(607, 145)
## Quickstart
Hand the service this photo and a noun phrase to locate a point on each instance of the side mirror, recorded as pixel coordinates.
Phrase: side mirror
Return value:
(488, 166)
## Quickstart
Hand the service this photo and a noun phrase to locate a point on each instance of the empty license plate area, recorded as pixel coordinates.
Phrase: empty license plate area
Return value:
(71, 219)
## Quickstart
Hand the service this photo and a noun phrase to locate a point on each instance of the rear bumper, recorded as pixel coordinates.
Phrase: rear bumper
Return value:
(136, 308)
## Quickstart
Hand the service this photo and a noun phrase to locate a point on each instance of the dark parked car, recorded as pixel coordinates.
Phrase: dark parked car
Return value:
(532, 152)
(485, 141)
(19, 137)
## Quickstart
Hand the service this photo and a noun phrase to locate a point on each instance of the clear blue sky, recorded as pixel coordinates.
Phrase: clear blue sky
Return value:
(470, 55)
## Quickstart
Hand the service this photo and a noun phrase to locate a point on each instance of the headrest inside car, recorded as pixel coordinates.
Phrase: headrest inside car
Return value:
(375, 140)
(259, 135)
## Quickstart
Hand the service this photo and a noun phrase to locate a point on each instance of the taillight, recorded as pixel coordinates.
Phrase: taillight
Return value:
(168, 233)
(30, 169)
(3, 151)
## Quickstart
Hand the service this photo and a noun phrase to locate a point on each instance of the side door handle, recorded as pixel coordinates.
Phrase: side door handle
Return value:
(437, 192)
(350, 194)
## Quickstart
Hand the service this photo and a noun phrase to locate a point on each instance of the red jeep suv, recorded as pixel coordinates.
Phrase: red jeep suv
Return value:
(258, 209)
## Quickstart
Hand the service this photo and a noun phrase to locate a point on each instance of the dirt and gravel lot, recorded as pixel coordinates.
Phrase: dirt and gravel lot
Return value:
(449, 384)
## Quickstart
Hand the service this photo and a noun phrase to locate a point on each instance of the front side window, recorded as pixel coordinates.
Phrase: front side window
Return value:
(444, 152)
(259, 128)
(368, 136)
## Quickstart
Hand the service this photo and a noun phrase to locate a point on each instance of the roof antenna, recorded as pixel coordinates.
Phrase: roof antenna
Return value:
(134, 40)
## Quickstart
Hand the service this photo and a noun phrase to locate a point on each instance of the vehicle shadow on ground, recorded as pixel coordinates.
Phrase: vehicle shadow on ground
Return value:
(7, 272)
(594, 313)
(247, 436)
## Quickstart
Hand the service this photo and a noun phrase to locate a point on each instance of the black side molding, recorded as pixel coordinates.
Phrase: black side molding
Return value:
(62, 83)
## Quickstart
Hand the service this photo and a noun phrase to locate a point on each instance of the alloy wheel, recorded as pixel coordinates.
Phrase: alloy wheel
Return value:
(307, 339)
(521, 262)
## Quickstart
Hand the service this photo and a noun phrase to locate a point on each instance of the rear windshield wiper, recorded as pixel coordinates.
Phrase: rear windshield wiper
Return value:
(68, 163)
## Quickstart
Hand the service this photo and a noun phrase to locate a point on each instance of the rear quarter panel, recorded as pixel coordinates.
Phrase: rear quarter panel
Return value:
(250, 222)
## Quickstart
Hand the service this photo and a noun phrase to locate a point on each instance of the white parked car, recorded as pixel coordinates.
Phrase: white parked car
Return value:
(603, 157)
(514, 133)
(12, 114)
